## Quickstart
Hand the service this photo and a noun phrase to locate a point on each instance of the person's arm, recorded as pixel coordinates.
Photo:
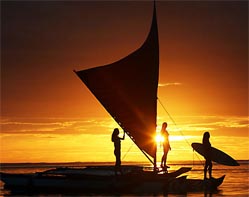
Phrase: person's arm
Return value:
(123, 136)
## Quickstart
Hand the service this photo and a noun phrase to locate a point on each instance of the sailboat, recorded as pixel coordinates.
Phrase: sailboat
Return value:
(127, 89)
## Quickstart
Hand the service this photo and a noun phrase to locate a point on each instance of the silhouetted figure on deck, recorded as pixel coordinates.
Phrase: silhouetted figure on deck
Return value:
(166, 145)
(207, 155)
(117, 148)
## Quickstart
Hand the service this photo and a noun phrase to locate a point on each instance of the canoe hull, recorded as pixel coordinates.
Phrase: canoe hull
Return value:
(89, 181)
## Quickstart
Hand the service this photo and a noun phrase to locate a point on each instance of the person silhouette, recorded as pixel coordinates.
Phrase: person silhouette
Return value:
(166, 145)
(207, 155)
(117, 148)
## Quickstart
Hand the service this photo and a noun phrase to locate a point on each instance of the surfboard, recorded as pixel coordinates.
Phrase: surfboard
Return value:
(216, 155)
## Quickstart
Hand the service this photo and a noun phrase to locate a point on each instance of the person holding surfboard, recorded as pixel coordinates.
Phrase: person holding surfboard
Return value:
(166, 145)
(207, 155)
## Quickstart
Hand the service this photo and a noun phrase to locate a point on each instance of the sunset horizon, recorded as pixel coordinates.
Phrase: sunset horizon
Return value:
(65, 141)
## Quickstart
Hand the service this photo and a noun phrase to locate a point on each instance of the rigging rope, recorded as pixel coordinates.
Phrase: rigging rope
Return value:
(128, 151)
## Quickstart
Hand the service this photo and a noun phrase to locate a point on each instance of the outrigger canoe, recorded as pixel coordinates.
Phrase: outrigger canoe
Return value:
(102, 179)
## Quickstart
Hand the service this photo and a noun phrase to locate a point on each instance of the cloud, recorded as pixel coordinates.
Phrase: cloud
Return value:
(169, 84)
(218, 125)
(57, 126)
(189, 125)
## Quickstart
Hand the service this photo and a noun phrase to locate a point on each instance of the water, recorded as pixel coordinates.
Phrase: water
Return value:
(236, 182)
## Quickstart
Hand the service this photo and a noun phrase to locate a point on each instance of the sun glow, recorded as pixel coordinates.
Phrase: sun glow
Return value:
(178, 138)
(159, 138)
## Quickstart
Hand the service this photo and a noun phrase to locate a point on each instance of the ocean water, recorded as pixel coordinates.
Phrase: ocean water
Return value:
(236, 182)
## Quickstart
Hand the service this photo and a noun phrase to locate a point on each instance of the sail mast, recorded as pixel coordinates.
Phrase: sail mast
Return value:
(154, 25)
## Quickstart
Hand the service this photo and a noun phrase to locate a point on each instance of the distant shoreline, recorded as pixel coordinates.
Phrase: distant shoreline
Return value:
(178, 162)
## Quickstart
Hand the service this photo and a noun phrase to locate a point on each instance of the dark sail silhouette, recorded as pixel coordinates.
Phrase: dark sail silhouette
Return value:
(128, 90)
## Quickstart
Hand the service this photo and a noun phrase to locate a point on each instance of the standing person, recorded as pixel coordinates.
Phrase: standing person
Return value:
(117, 148)
(166, 145)
(207, 154)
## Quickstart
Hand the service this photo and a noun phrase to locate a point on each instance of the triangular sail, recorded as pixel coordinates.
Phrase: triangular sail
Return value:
(128, 90)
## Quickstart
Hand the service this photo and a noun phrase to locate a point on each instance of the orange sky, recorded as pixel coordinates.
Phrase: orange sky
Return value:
(46, 109)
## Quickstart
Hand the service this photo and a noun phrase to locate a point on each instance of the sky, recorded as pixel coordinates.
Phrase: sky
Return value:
(48, 115)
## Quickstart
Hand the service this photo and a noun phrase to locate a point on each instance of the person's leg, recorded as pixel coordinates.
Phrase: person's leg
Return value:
(210, 169)
(165, 159)
(118, 162)
(205, 170)
(162, 162)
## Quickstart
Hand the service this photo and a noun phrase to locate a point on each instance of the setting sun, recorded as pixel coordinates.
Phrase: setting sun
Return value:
(159, 138)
